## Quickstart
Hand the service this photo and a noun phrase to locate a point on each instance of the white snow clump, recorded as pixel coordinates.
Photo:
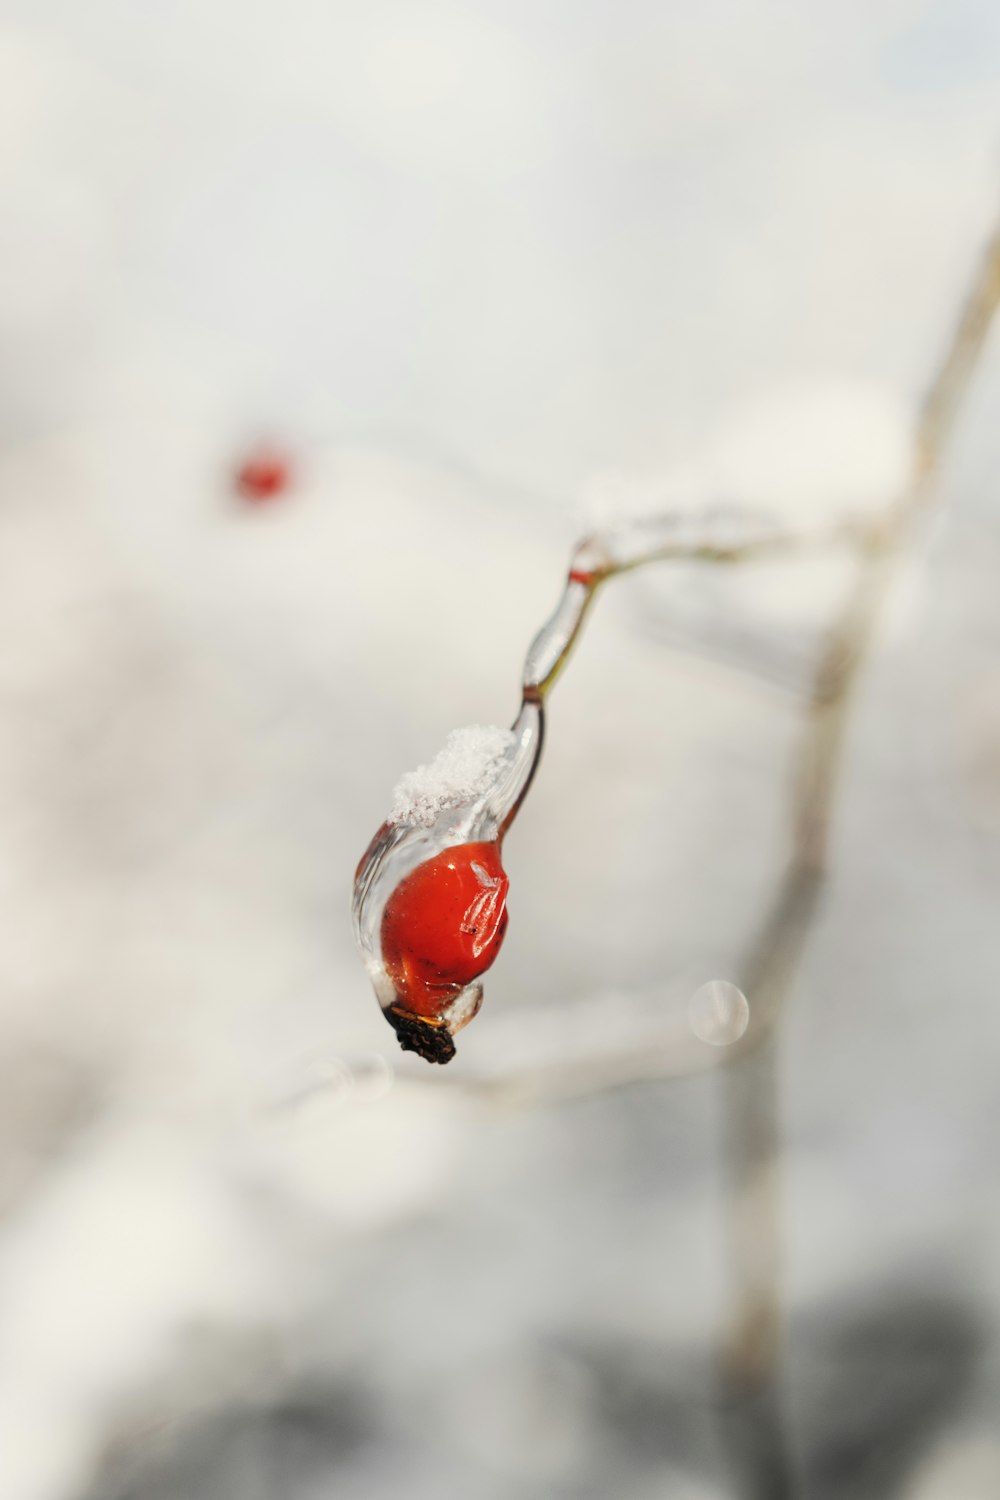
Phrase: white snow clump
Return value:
(458, 774)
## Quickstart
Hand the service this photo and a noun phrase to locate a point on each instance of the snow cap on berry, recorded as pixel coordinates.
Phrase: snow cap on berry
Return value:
(462, 771)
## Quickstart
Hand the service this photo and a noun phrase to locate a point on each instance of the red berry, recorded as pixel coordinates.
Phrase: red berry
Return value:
(443, 925)
(263, 476)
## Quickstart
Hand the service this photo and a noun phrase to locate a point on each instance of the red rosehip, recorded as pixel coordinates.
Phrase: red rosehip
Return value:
(443, 925)
(263, 476)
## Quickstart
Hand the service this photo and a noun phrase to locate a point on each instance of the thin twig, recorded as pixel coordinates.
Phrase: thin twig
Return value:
(750, 1107)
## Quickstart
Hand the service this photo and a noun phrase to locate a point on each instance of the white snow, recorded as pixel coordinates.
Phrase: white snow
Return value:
(458, 774)
(461, 258)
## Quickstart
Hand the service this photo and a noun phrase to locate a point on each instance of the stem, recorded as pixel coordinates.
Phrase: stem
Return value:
(750, 1091)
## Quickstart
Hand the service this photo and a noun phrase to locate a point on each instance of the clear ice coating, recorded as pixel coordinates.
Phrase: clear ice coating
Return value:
(429, 901)
(444, 997)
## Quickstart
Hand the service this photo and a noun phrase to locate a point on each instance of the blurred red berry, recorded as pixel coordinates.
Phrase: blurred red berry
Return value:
(264, 476)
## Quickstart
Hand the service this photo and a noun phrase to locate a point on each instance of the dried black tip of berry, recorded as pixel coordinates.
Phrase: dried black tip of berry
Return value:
(433, 1043)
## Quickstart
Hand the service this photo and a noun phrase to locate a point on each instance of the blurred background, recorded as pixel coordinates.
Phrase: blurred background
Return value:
(324, 330)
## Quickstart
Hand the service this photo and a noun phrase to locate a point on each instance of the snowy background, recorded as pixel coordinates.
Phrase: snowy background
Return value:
(479, 269)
